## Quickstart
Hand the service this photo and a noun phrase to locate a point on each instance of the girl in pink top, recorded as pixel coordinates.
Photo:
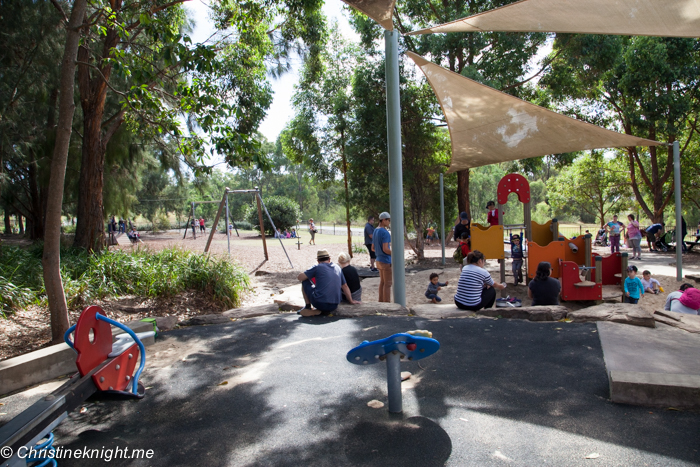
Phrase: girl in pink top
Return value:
(634, 237)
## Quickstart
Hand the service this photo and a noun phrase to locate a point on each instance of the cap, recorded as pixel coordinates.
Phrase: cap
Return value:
(384, 215)
(463, 215)
(322, 255)
(514, 236)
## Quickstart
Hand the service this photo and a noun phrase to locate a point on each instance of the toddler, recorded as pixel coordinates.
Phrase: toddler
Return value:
(633, 286)
(516, 252)
(650, 285)
(434, 287)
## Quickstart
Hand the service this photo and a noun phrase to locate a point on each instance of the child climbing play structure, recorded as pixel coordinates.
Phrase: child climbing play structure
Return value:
(572, 259)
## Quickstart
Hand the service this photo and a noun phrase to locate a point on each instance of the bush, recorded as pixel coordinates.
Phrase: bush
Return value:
(284, 212)
(161, 222)
(144, 273)
(244, 225)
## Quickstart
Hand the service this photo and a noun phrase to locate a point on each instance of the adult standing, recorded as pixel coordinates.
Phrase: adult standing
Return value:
(684, 232)
(312, 231)
(201, 225)
(543, 289)
(381, 243)
(614, 228)
(634, 237)
(476, 289)
(369, 232)
(462, 227)
(352, 278)
(325, 295)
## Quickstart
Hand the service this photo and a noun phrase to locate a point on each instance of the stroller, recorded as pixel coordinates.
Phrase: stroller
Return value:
(601, 238)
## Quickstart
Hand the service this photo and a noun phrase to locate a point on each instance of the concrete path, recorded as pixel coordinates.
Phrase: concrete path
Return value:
(278, 391)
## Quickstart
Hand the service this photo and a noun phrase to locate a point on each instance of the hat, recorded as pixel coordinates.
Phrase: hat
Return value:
(464, 216)
(490, 203)
(384, 215)
(514, 236)
(691, 298)
(322, 255)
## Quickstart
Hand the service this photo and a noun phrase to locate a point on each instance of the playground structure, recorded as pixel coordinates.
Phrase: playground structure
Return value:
(223, 206)
(104, 368)
(571, 259)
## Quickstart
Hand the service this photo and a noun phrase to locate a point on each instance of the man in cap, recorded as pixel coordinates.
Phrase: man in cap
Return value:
(462, 227)
(381, 243)
(325, 295)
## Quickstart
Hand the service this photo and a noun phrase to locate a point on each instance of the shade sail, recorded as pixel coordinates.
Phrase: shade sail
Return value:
(488, 126)
(378, 10)
(672, 18)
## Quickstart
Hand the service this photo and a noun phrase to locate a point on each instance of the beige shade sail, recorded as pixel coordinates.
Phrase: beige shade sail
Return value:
(672, 18)
(488, 126)
(378, 10)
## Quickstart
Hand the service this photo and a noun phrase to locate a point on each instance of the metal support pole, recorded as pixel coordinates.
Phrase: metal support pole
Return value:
(393, 381)
(193, 218)
(228, 231)
(274, 229)
(679, 213)
(393, 119)
(442, 216)
(258, 198)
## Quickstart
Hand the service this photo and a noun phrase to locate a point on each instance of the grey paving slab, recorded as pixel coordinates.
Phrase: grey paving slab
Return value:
(662, 349)
(655, 367)
(499, 392)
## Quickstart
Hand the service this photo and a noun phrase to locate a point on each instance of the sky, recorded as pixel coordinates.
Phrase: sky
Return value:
(281, 110)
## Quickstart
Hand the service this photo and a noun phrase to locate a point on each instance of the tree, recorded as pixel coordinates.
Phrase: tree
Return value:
(51, 260)
(497, 59)
(319, 133)
(592, 184)
(643, 86)
(138, 52)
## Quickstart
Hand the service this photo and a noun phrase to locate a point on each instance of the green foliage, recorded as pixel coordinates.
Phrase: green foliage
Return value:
(114, 273)
(542, 213)
(359, 248)
(285, 213)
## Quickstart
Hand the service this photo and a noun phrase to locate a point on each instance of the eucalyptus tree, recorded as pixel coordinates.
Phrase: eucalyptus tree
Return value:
(593, 184)
(500, 60)
(318, 135)
(642, 86)
(139, 52)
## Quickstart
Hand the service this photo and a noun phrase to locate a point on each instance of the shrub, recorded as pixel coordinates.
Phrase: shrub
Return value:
(284, 212)
(113, 273)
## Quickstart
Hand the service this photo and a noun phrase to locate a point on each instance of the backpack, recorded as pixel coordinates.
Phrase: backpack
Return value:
(457, 255)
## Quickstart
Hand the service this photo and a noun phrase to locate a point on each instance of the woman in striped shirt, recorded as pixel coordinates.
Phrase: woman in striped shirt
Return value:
(476, 289)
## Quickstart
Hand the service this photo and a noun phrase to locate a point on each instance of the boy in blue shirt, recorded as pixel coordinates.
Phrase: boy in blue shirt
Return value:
(633, 286)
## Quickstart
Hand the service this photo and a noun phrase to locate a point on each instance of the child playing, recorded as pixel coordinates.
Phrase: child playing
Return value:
(434, 287)
(650, 285)
(465, 247)
(633, 286)
(516, 252)
(492, 217)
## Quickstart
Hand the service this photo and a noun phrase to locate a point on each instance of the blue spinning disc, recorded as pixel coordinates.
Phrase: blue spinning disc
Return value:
(413, 347)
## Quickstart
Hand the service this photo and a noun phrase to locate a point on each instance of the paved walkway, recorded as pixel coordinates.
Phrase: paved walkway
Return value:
(278, 391)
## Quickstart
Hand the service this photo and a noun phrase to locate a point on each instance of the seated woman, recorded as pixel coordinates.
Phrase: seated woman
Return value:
(352, 278)
(476, 289)
(544, 290)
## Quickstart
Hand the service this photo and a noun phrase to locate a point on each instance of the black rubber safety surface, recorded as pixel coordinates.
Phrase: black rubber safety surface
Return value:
(277, 391)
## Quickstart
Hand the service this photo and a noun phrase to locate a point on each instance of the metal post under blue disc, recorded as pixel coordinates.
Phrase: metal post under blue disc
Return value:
(393, 349)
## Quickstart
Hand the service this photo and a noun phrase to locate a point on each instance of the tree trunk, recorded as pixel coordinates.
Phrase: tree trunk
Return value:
(89, 232)
(8, 224)
(20, 224)
(463, 192)
(51, 260)
(347, 196)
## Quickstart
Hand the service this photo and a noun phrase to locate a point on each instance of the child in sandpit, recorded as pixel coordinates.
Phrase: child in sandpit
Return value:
(634, 289)
(650, 284)
(434, 287)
